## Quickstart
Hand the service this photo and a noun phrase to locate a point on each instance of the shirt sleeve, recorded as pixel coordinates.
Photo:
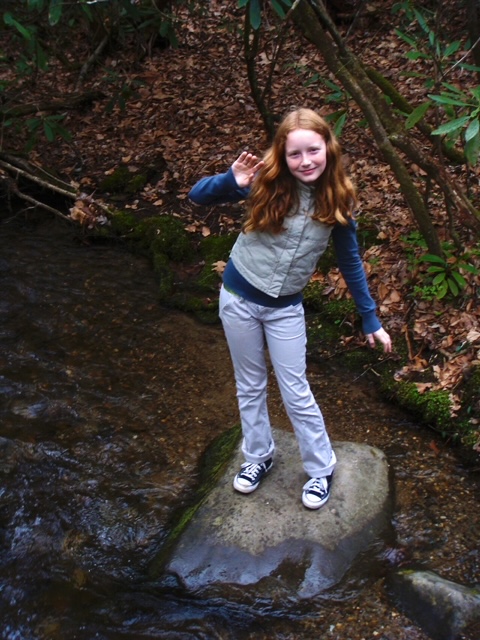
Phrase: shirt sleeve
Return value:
(218, 189)
(350, 263)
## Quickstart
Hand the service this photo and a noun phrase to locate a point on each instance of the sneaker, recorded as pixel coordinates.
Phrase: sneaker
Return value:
(250, 474)
(316, 492)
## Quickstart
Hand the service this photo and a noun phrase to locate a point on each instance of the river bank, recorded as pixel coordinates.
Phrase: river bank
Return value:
(108, 402)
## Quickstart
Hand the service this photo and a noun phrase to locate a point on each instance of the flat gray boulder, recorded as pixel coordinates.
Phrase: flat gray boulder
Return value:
(271, 542)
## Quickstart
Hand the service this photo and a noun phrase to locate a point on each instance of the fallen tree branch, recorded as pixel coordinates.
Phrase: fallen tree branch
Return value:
(29, 171)
(71, 102)
(13, 187)
(84, 210)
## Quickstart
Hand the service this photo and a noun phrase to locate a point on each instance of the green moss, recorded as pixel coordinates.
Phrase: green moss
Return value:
(122, 180)
(165, 276)
(333, 310)
(322, 332)
(409, 396)
(313, 298)
(163, 234)
(136, 183)
(117, 181)
(328, 260)
(165, 242)
(338, 310)
(325, 318)
(212, 465)
(209, 279)
(214, 249)
(217, 247)
(169, 237)
(432, 407)
(122, 222)
(438, 409)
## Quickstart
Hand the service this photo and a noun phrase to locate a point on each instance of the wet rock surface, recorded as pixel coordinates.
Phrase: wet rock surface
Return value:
(271, 542)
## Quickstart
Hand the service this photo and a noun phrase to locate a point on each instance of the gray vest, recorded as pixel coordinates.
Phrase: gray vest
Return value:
(282, 263)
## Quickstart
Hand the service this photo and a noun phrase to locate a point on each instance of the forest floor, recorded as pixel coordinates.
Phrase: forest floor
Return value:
(186, 111)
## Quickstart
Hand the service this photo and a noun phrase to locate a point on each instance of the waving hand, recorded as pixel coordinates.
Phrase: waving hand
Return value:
(245, 167)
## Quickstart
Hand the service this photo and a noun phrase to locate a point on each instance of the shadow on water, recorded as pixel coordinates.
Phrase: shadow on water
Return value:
(107, 402)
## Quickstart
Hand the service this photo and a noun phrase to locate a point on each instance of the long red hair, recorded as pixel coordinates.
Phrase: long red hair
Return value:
(274, 192)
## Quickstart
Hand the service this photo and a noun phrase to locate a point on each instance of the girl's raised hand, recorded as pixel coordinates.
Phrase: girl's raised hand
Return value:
(245, 167)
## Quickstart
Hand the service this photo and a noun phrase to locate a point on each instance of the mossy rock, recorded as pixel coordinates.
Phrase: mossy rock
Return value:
(122, 222)
(217, 247)
(164, 234)
(169, 237)
(122, 180)
(211, 467)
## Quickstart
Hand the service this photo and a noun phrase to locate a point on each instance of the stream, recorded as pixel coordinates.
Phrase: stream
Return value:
(107, 402)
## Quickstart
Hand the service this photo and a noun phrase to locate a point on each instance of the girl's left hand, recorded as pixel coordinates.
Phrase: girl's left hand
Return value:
(382, 336)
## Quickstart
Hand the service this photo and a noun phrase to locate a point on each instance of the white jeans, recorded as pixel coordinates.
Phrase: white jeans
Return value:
(247, 326)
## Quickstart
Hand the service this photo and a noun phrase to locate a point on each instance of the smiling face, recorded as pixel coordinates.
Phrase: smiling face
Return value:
(305, 154)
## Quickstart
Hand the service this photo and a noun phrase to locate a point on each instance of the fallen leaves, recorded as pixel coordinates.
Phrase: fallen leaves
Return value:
(442, 338)
(194, 107)
(88, 212)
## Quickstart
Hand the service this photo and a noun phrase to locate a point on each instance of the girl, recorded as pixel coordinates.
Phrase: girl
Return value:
(297, 197)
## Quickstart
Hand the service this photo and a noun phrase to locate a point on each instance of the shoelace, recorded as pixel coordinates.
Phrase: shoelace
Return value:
(317, 486)
(251, 471)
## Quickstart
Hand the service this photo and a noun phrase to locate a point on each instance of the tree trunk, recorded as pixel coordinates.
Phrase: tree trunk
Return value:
(473, 19)
(251, 45)
(261, 97)
(388, 131)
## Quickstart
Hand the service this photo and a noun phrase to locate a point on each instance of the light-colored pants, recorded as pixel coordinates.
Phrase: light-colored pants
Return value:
(247, 326)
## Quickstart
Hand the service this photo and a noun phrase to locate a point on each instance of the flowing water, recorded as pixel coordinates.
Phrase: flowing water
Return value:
(107, 402)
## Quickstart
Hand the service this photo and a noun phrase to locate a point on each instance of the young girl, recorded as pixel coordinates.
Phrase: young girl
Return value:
(297, 197)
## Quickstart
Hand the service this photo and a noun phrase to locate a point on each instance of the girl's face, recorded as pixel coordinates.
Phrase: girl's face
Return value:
(306, 154)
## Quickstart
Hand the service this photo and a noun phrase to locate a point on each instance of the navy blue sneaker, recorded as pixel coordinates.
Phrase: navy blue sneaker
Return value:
(316, 492)
(250, 474)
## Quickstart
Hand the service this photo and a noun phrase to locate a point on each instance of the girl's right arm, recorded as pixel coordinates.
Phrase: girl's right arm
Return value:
(218, 189)
(228, 187)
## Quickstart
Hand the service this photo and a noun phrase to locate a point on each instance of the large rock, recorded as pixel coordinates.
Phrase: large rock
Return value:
(443, 609)
(270, 541)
